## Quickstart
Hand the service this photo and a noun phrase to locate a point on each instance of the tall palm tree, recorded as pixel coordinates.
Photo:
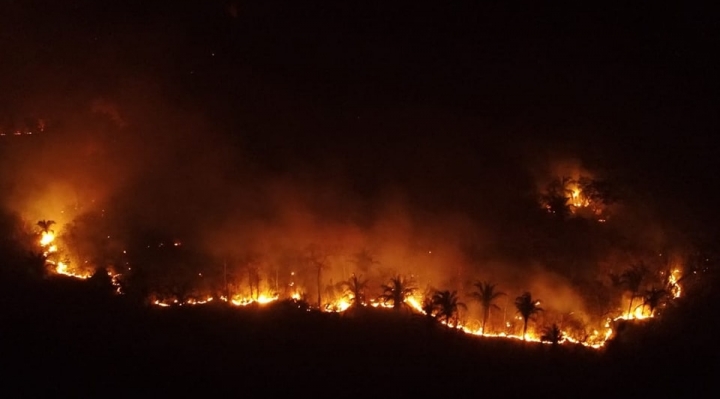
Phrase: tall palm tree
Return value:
(527, 307)
(486, 295)
(396, 291)
(632, 279)
(356, 287)
(448, 305)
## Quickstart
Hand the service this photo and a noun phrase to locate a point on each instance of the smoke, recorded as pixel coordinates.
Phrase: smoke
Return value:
(419, 190)
(153, 171)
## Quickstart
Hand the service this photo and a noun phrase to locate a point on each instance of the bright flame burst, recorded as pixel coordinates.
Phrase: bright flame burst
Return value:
(577, 199)
(47, 239)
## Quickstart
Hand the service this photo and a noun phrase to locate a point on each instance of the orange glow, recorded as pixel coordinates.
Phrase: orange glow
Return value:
(47, 242)
(673, 278)
(62, 268)
(414, 303)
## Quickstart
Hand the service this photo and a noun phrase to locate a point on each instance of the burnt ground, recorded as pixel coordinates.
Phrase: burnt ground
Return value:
(62, 337)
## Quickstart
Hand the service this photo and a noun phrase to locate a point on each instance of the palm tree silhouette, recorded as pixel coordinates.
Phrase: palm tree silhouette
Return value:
(653, 298)
(527, 307)
(45, 226)
(396, 291)
(429, 307)
(552, 334)
(486, 295)
(448, 305)
(356, 287)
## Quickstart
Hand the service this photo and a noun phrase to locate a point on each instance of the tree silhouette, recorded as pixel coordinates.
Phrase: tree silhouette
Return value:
(632, 279)
(556, 197)
(355, 286)
(364, 260)
(653, 298)
(552, 334)
(396, 291)
(486, 295)
(429, 307)
(527, 307)
(45, 226)
(316, 259)
(448, 305)
(251, 263)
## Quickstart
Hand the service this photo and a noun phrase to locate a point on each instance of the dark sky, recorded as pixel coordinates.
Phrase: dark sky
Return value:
(435, 97)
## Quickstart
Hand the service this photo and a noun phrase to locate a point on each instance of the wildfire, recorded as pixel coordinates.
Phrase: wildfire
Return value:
(577, 199)
(596, 339)
(261, 299)
(47, 239)
(675, 289)
(340, 305)
(415, 304)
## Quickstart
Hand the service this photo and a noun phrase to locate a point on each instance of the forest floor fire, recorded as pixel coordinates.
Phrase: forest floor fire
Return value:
(413, 302)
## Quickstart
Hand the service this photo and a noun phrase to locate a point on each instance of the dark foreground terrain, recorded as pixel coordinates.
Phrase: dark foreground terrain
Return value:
(61, 337)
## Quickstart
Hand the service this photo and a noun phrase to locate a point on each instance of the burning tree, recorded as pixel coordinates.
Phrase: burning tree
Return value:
(557, 197)
(632, 279)
(552, 334)
(527, 307)
(448, 306)
(355, 287)
(584, 197)
(486, 295)
(252, 267)
(397, 291)
(428, 306)
(318, 261)
(653, 298)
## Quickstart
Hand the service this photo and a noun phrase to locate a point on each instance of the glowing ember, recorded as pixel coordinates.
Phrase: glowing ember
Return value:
(675, 289)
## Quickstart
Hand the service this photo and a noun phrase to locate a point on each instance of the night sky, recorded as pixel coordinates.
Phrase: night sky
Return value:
(455, 105)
